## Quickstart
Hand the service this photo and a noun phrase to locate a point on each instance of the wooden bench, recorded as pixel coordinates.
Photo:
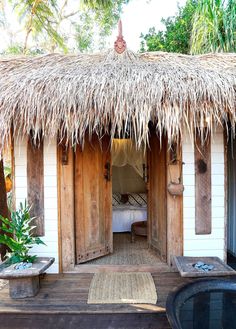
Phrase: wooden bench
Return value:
(25, 283)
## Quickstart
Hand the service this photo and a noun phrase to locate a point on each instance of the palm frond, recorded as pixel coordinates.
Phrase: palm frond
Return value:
(214, 27)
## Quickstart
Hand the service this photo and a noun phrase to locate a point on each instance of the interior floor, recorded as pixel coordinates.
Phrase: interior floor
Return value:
(127, 253)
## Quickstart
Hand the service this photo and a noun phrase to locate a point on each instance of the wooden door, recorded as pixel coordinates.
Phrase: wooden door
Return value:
(93, 204)
(157, 194)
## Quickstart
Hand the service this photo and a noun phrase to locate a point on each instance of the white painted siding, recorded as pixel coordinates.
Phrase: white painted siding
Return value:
(50, 196)
(20, 172)
(210, 244)
(194, 245)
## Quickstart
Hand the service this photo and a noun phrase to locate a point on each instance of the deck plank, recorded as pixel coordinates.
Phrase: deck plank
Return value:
(69, 292)
(62, 303)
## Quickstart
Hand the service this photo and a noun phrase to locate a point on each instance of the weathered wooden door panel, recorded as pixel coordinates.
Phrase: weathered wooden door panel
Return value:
(35, 185)
(93, 225)
(157, 216)
(203, 186)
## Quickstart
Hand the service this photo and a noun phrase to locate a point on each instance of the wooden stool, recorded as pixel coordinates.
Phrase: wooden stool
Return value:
(138, 228)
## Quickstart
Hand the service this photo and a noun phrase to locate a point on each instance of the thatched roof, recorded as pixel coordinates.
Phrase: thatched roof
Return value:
(107, 92)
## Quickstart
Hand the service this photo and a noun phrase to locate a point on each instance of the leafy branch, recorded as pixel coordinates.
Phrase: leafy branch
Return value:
(17, 235)
(49, 25)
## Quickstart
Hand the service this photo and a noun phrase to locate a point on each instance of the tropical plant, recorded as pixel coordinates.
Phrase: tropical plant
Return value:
(17, 235)
(38, 16)
(98, 3)
(200, 26)
(95, 24)
(214, 26)
(176, 36)
(47, 26)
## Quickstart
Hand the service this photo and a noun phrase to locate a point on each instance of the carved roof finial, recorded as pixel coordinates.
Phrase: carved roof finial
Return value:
(120, 44)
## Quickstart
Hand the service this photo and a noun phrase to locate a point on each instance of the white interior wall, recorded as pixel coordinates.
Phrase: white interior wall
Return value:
(210, 244)
(50, 196)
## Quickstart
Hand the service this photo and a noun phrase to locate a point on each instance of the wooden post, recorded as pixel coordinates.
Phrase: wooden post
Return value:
(202, 186)
(174, 210)
(35, 185)
(3, 204)
(66, 208)
(226, 182)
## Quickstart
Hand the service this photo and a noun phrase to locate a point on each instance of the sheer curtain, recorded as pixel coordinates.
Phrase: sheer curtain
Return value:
(124, 152)
(127, 163)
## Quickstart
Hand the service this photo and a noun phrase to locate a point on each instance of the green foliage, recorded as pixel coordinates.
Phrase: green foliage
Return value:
(96, 22)
(15, 49)
(98, 3)
(18, 49)
(38, 16)
(177, 34)
(52, 25)
(200, 26)
(214, 27)
(84, 32)
(153, 41)
(18, 237)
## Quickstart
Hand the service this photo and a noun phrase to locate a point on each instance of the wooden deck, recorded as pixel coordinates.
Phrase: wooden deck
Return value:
(62, 303)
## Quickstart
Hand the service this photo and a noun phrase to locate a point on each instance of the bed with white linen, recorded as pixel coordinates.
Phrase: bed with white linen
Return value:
(124, 215)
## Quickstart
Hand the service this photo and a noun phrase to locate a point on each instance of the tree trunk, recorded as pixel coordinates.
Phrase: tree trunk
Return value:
(3, 204)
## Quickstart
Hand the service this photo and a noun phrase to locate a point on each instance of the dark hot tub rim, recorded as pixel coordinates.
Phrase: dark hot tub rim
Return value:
(180, 294)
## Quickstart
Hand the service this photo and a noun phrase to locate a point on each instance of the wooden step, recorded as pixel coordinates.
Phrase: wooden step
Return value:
(84, 321)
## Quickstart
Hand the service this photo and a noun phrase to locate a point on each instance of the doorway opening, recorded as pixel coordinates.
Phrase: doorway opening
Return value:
(137, 217)
(130, 202)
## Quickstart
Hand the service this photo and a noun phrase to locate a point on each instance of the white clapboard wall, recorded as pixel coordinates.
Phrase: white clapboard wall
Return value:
(194, 245)
(50, 196)
(209, 244)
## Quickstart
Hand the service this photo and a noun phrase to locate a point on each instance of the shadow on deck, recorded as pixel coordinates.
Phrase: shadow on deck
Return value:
(62, 303)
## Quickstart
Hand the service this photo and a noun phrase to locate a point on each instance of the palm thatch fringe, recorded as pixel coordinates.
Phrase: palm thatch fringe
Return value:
(111, 93)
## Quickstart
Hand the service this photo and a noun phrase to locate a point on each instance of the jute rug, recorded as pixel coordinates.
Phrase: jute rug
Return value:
(122, 288)
(127, 253)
